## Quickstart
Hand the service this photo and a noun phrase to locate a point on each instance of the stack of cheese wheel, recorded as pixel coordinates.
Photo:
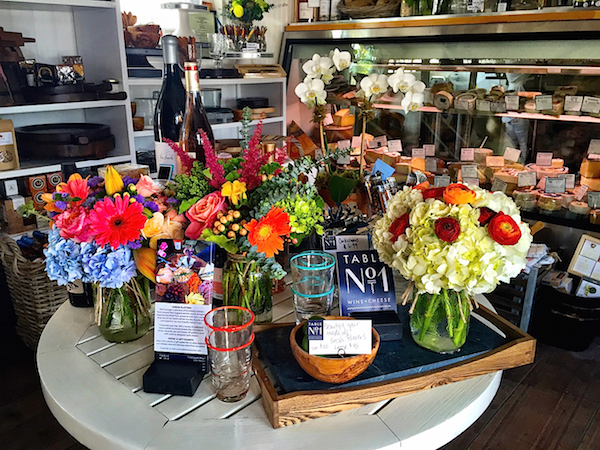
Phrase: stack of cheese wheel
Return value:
(509, 176)
(556, 169)
(548, 203)
(590, 174)
(525, 199)
(567, 198)
(442, 95)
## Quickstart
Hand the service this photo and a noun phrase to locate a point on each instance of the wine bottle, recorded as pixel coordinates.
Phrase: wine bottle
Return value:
(194, 117)
(80, 294)
(169, 107)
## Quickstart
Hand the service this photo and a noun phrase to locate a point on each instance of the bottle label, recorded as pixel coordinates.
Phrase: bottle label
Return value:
(165, 156)
(192, 80)
(75, 287)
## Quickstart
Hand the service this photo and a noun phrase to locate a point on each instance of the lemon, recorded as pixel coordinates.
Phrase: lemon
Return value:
(238, 11)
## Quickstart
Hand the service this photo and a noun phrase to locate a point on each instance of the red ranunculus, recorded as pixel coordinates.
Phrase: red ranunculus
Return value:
(447, 229)
(485, 214)
(433, 193)
(399, 226)
(504, 230)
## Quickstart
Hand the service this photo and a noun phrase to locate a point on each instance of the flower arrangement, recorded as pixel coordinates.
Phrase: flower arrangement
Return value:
(452, 243)
(247, 11)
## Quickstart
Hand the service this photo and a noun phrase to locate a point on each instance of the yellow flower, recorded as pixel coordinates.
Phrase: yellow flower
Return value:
(238, 11)
(171, 229)
(236, 191)
(154, 225)
(113, 182)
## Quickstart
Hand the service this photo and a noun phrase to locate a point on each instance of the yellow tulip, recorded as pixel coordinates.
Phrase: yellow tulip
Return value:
(236, 191)
(145, 261)
(113, 182)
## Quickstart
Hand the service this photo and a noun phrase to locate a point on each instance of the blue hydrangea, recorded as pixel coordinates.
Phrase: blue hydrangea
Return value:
(111, 268)
(63, 259)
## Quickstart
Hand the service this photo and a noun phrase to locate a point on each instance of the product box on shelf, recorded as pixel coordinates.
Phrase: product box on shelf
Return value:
(9, 156)
(12, 222)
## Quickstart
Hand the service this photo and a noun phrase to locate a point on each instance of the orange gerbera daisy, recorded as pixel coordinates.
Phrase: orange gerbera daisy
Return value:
(267, 232)
(76, 187)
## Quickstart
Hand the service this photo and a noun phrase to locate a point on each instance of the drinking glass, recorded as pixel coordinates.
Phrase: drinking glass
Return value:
(312, 283)
(218, 48)
(230, 366)
(231, 325)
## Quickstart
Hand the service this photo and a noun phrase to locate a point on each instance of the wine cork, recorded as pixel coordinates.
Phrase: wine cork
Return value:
(443, 100)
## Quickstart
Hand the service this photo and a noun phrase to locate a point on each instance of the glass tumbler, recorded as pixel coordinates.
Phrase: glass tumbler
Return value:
(313, 274)
(231, 325)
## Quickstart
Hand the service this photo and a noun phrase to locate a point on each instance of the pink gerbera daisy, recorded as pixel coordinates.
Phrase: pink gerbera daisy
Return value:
(117, 222)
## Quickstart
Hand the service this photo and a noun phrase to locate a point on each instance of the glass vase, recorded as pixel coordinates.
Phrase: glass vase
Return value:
(123, 314)
(245, 284)
(440, 322)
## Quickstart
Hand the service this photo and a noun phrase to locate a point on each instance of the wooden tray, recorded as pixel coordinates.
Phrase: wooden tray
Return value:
(283, 409)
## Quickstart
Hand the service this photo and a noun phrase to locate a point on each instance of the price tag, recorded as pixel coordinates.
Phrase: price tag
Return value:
(526, 179)
(372, 144)
(6, 138)
(494, 161)
(431, 165)
(356, 142)
(498, 106)
(544, 159)
(318, 153)
(381, 141)
(344, 145)
(591, 105)
(484, 105)
(510, 154)
(429, 149)
(461, 103)
(593, 199)
(471, 181)
(499, 185)
(555, 185)
(570, 180)
(339, 337)
(418, 153)
(313, 3)
(543, 102)
(344, 160)
(594, 147)
(328, 120)
(512, 102)
(573, 103)
(580, 192)
(17, 201)
(395, 145)
(467, 154)
(441, 181)
(469, 171)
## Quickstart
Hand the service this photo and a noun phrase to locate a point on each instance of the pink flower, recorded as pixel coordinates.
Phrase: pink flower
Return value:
(172, 214)
(204, 213)
(73, 224)
(146, 187)
(212, 163)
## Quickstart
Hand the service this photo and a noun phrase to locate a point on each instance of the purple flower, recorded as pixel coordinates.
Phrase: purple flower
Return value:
(95, 181)
(139, 198)
(172, 201)
(89, 202)
(127, 180)
(60, 204)
(151, 206)
(134, 244)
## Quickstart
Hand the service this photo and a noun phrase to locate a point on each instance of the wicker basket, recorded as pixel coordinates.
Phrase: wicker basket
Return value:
(35, 298)
(365, 12)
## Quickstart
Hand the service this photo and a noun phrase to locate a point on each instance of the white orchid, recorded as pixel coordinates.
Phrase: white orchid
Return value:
(403, 81)
(341, 60)
(319, 67)
(374, 85)
(311, 92)
(412, 101)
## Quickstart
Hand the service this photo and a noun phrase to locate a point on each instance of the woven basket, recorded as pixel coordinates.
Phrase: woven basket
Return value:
(35, 298)
(364, 12)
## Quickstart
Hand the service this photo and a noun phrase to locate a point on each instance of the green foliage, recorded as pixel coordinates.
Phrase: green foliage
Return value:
(306, 213)
(221, 240)
(192, 186)
(340, 188)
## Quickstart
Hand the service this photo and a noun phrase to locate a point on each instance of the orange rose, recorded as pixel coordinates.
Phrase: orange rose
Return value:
(458, 194)
(153, 226)
(203, 214)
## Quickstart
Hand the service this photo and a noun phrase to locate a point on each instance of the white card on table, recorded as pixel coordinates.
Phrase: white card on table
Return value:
(469, 171)
(471, 181)
(570, 179)
(527, 179)
(543, 102)
(441, 181)
(591, 105)
(430, 164)
(573, 103)
(339, 337)
(356, 142)
(555, 185)
(594, 146)
(512, 102)
(395, 145)
(467, 154)
(510, 154)
(418, 153)
(429, 149)
(499, 185)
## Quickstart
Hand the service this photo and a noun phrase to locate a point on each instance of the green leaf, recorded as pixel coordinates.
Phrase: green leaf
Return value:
(270, 168)
(146, 212)
(187, 204)
(222, 241)
(340, 188)
(207, 174)
(232, 176)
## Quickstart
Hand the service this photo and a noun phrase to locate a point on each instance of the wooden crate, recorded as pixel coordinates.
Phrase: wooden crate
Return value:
(295, 407)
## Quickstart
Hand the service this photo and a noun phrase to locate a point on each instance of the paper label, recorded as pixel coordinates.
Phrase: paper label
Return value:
(512, 154)
(471, 181)
(573, 103)
(418, 153)
(580, 192)
(570, 180)
(429, 149)
(179, 328)
(543, 102)
(593, 200)
(373, 144)
(165, 156)
(381, 140)
(475, 5)
(305, 12)
(502, 7)
(441, 181)
(344, 145)
(498, 106)
(483, 105)
(555, 185)
(526, 179)
(313, 3)
(469, 171)
(328, 119)
(356, 142)
(6, 138)
(17, 201)
(467, 154)
(494, 161)
(339, 337)
(591, 105)
(499, 185)
(344, 160)
(395, 145)
(512, 102)
(594, 146)
(431, 165)
(461, 103)
(544, 159)
(349, 243)
(384, 169)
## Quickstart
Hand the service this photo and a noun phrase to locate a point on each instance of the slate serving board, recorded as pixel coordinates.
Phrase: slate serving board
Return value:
(395, 359)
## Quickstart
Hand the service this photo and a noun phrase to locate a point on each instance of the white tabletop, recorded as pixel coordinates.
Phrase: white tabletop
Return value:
(93, 388)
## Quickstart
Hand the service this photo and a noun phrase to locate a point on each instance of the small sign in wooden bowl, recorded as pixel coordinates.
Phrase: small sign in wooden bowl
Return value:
(335, 369)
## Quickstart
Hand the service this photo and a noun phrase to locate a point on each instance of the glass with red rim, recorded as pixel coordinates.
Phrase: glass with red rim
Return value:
(230, 366)
(232, 325)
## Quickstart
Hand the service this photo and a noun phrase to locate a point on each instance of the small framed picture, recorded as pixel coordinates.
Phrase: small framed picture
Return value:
(165, 172)
(586, 259)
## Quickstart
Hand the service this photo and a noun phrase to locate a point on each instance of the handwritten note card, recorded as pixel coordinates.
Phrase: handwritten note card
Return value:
(418, 153)
(339, 337)
(467, 154)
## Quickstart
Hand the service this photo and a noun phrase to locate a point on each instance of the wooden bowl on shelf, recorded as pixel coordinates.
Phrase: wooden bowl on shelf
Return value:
(332, 370)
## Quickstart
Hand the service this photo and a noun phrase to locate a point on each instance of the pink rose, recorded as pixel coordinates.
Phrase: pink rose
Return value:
(172, 214)
(73, 224)
(146, 187)
(204, 213)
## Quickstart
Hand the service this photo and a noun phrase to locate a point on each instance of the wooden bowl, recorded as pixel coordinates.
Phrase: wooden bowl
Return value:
(332, 370)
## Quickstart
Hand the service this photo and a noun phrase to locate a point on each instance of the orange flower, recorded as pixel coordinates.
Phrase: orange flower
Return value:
(76, 187)
(504, 230)
(267, 232)
(458, 194)
(422, 186)
(49, 206)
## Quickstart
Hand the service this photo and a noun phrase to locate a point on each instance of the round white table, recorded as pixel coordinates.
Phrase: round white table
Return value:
(93, 388)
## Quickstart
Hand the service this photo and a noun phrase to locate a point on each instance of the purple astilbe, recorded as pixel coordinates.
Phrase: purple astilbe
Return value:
(61, 204)
(217, 171)
(184, 157)
(253, 160)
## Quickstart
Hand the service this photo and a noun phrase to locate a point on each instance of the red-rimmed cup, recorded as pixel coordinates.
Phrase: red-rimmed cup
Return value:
(232, 325)
(230, 366)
